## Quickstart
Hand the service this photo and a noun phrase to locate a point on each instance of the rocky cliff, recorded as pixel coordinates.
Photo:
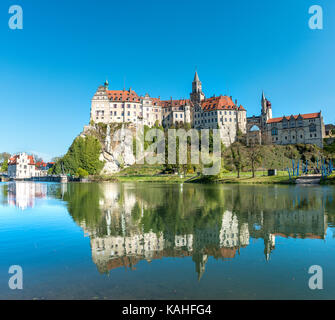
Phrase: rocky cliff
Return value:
(117, 145)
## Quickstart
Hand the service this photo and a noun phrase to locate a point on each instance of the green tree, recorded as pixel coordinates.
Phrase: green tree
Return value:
(255, 157)
(84, 153)
(4, 156)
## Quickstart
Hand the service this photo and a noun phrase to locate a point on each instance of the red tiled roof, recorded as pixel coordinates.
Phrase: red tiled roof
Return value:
(13, 160)
(218, 103)
(304, 116)
(175, 103)
(156, 101)
(125, 95)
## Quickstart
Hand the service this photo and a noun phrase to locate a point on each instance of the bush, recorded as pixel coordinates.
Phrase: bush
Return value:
(82, 173)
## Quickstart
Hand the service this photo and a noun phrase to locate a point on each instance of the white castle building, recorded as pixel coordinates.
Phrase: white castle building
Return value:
(217, 112)
(126, 106)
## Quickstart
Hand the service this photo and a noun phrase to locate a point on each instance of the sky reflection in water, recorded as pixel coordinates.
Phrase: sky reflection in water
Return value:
(158, 241)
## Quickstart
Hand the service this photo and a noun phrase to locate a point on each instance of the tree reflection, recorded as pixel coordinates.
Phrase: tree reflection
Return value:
(128, 222)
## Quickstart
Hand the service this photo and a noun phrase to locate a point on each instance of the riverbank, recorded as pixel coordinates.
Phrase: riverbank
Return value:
(154, 173)
(329, 180)
(147, 173)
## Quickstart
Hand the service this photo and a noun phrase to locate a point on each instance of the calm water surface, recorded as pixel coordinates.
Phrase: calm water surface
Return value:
(157, 241)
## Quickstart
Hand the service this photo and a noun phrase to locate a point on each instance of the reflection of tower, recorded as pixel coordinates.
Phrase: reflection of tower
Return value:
(63, 188)
(108, 221)
(200, 263)
(123, 223)
(269, 245)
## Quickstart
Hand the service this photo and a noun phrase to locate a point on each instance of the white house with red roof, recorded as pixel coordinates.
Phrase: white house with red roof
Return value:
(21, 166)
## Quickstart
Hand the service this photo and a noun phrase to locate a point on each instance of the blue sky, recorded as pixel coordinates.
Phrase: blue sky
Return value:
(50, 70)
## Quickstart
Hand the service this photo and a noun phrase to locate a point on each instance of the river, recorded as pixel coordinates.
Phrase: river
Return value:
(166, 241)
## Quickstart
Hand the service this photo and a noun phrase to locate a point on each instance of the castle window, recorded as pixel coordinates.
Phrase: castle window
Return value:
(312, 127)
(274, 131)
(292, 124)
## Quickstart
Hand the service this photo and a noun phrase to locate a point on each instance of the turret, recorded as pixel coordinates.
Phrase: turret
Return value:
(266, 110)
(197, 95)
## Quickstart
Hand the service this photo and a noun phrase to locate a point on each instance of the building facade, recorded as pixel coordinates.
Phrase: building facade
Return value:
(302, 128)
(21, 166)
(126, 106)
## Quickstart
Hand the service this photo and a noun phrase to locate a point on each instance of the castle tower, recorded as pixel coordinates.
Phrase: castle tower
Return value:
(266, 111)
(197, 95)
(106, 84)
(269, 245)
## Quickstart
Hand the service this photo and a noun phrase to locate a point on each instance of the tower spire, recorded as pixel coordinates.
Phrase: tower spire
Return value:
(196, 77)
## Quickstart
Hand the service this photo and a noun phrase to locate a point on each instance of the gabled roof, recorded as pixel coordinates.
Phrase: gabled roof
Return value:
(13, 160)
(219, 103)
(295, 117)
(124, 95)
(175, 103)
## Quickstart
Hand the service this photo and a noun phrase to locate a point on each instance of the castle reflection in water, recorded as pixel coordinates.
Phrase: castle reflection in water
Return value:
(128, 223)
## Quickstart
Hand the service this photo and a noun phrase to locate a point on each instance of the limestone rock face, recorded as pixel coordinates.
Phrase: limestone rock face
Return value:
(117, 146)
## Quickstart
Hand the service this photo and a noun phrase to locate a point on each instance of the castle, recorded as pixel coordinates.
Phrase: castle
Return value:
(126, 106)
(199, 112)
(302, 128)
